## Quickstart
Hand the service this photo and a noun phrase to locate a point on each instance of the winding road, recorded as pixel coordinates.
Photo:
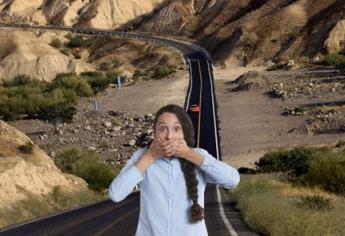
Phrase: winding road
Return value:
(109, 218)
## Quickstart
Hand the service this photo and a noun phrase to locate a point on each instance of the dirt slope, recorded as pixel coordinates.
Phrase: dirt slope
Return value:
(24, 173)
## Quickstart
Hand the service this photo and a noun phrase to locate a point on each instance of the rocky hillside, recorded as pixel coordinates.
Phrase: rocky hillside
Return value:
(235, 32)
(30, 53)
(98, 13)
(43, 55)
(24, 174)
(255, 31)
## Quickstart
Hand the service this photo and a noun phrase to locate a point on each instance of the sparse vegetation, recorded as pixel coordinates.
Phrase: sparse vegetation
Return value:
(103, 143)
(163, 71)
(294, 161)
(56, 43)
(272, 206)
(27, 148)
(300, 203)
(65, 51)
(157, 72)
(76, 41)
(321, 167)
(336, 60)
(86, 165)
(316, 202)
(34, 206)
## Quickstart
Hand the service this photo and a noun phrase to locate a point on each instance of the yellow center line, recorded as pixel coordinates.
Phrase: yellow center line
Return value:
(115, 222)
(200, 100)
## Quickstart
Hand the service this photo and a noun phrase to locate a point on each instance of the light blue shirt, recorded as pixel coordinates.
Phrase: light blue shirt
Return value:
(164, 203)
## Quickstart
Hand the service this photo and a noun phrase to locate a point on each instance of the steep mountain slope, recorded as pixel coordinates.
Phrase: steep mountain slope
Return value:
(235, 32)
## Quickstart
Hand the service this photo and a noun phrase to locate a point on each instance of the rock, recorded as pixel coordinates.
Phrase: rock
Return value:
(87, 127)
(107, 124)
(117, 128)
(290, 63)
(92, 148)
(132, 142)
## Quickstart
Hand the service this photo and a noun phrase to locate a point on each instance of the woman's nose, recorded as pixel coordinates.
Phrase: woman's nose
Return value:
(169, 135)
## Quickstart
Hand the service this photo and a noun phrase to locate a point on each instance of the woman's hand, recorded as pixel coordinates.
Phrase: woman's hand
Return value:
(177, 147)
(169, 148)
(180, 148)
(155, 149)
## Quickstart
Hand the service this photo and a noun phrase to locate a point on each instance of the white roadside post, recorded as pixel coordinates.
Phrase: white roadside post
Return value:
(119, 82)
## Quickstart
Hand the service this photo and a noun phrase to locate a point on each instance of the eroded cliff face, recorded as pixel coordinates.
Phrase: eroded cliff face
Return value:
(255, 31)
(31, 54)
(22, 174)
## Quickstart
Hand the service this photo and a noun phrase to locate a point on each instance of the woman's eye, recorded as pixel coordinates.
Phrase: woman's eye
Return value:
(161, 129)
(177, 128)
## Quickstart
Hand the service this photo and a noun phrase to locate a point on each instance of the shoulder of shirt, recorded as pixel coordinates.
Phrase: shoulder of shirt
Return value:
(138, 153)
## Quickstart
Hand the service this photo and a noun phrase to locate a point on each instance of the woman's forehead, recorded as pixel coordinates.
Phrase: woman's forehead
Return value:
(168, 118)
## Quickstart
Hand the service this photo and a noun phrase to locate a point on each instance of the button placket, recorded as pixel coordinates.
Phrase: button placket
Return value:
(170, 197)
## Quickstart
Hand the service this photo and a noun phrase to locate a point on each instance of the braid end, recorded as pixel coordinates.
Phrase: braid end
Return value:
(197, 213)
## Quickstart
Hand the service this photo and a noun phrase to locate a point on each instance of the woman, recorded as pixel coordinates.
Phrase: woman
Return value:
(172, 176)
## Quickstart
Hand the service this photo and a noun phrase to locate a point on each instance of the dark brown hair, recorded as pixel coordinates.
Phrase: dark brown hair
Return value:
(188, 168)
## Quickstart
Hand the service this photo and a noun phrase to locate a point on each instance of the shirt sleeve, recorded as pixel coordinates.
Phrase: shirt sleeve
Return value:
(127, 179)
(218, 172)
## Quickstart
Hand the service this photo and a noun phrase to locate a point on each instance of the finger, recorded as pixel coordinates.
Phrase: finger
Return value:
(167, 143)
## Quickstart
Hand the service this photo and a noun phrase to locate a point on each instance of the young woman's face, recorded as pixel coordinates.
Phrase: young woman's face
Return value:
(168, 127)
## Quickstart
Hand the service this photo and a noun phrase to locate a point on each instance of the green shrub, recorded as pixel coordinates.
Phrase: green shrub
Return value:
(104, 66)
(59, 112)
(49, 101)
(78, 41)
(28, 148)
(74, 82)
(327, 170)
(336, 60)
(103, 143)
(97, 81)
(19, 80)
(115, 63)
(86, 165)
(162, 71)
(112, 76)
(65, 51)
(56, 43)
(295, 161)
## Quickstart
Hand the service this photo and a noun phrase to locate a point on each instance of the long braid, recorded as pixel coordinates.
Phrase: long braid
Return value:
(196, 211)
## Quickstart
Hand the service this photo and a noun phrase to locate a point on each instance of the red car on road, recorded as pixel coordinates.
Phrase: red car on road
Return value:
(194, 108)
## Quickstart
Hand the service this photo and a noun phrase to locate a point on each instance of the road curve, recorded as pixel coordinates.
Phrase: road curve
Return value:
(108, 218)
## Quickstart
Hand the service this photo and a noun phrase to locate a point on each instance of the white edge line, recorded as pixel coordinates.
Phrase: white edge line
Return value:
(213, 108)
(190, 83)
(222, 214)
